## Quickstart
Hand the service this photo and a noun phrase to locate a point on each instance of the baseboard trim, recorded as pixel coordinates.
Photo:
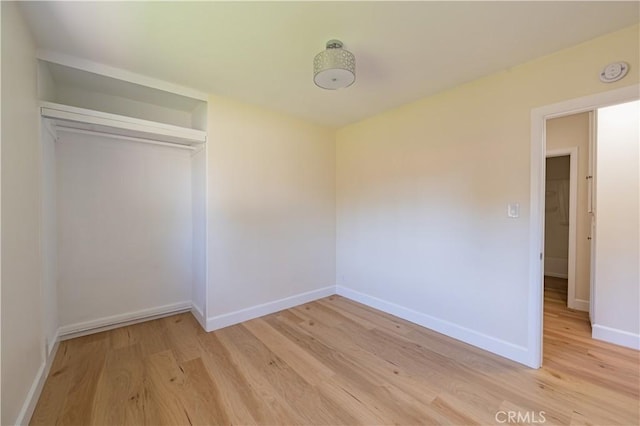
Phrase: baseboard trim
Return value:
(53, 344)
(24, 417)
(579, 305)
(557, 267)
(497, 346)
(615, 336)
(121, 320)
(199, 316)
(556, 275)
(231, 318)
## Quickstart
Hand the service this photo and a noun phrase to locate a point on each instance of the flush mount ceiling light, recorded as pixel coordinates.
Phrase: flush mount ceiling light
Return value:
(334, 68)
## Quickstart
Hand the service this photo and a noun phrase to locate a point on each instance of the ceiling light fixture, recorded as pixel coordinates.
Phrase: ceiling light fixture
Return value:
(334, 68)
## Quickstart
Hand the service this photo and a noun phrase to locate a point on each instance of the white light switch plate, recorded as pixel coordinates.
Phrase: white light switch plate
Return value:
(513, 210)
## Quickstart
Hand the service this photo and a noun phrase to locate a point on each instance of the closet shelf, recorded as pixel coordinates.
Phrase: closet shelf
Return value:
(85, 119)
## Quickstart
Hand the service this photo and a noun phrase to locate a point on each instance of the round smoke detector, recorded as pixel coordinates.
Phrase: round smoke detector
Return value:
(614, 72)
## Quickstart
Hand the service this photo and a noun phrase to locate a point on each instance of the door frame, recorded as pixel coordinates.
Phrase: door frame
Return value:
(572, 153)
(539, 116)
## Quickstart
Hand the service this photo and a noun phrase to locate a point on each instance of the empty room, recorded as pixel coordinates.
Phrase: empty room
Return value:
(320, 213)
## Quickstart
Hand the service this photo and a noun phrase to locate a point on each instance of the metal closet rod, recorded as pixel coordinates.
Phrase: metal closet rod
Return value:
(127, 138)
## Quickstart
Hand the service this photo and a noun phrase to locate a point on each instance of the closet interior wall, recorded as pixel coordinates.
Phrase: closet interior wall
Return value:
(125, 225)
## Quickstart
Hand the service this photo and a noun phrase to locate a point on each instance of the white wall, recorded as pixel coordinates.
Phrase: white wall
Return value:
(22, 333)
(422, 194)
(124, 228)
(617, 276)
(199, 215)
(271, 212)
(566, 132)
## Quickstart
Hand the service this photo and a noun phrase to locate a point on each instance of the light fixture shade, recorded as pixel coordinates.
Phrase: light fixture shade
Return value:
(334, 68)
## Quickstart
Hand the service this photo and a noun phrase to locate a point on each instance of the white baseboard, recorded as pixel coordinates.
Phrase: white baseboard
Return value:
(53, 344)
(556, 275)
(556, 267)
(615, 336)
(497, 346)
(579, 305)
(199, 316)
(225, 320)
(121, 320)
(36, 387)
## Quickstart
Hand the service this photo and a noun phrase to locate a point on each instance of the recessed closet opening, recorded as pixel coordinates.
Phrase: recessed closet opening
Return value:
(125, 227)
(124, 210)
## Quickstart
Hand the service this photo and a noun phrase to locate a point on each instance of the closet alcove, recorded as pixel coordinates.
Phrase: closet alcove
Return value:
(123, 199)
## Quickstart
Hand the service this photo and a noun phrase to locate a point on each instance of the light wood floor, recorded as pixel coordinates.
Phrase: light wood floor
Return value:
(329, 362)
(559, 286)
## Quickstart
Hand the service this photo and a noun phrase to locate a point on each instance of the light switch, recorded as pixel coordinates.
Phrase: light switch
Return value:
(513, 210)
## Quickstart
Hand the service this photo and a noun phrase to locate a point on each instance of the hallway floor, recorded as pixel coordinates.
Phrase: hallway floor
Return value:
(556, 289)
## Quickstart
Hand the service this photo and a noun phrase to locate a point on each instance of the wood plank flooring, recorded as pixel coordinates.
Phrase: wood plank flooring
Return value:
(558, 286)
(332, 362)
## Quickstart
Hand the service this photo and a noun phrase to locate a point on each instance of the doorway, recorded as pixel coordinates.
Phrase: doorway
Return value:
(568, 213)
(539, 119)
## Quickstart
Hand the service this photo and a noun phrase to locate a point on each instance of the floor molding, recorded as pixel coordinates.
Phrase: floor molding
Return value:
(33, 395)
(556, 267)
(236, 317)
(497, 346)
(580, 305)
(556, 275)
(199, 316)
(121, 320)
(616, 336)
(52, 344)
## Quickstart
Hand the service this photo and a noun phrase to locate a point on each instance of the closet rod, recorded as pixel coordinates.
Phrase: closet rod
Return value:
(127, 138)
